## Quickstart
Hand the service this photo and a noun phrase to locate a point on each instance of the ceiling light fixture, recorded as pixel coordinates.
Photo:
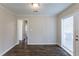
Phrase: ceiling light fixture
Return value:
(35, 7)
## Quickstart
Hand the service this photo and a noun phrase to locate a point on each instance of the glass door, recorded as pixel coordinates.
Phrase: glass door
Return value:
(67, 34)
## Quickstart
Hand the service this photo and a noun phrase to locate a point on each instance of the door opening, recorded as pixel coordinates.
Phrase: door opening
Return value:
(67, 34)
(22, 29)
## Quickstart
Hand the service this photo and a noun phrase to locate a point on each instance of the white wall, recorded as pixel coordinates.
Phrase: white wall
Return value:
(19, 29)
(42, 29)
(68, 12)
(7, 30)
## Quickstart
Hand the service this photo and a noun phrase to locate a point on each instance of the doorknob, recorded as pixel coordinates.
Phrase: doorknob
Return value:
(76, 39)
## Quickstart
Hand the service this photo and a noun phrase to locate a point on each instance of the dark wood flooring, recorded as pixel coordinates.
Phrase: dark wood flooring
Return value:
(36, 50)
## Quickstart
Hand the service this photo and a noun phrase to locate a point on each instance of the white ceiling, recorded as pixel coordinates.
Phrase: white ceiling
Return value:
(45, 8)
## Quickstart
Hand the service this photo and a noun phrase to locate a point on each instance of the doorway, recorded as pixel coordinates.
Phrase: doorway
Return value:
(67, 34)
(22, 32)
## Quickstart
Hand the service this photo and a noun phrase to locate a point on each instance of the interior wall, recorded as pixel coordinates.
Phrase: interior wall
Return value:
(68, 12)
(42, 29)
(19, 29)
(7, 30)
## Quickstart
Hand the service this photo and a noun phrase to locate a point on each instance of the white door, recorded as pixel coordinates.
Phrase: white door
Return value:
(76, 27)
(75, 35)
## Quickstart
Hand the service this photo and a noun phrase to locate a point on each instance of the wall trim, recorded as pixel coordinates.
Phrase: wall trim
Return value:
(42, 43)
(67, 50)
(8, 49)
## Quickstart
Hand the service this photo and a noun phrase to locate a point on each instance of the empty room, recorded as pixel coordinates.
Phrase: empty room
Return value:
(39, 29)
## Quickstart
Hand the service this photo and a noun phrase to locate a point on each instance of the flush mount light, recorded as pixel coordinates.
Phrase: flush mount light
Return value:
(35, 7)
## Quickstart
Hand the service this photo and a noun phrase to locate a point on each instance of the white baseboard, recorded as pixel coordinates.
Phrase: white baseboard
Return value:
(8, 49)
(17, 43)
(42, 43)
(71, 53)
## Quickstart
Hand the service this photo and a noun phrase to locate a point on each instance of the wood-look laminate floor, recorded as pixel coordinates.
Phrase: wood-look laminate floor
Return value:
(37, 50)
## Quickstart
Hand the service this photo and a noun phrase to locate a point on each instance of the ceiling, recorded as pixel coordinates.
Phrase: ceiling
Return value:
(46, 9)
